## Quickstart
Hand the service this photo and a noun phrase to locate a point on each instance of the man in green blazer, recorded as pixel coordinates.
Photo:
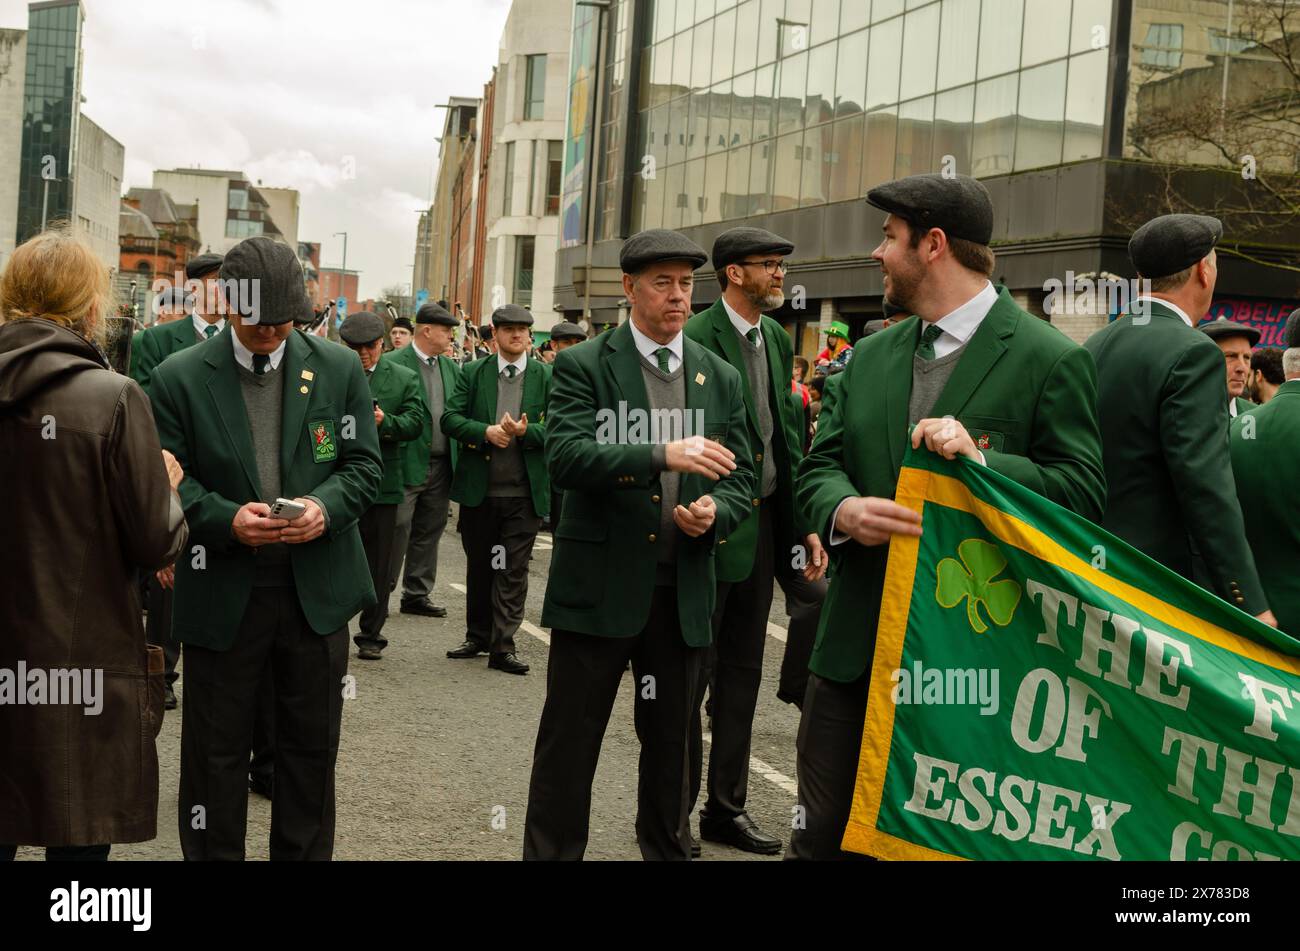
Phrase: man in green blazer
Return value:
(260, 413)
(1265, 449)
(150, 347)
(973, 375)
(430, 462)
(774, 543)
(1163, 405)
(648, 441)
(400, 417)
(498, 415)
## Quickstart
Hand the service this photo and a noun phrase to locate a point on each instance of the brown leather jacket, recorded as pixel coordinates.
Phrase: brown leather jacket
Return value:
(87, 505)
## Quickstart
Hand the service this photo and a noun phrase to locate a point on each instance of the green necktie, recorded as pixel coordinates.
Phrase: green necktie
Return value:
(926, 348)
(662, 355)
(511, 370)
(752, 336)
(209, 331)
(433, 361)
(261, 363)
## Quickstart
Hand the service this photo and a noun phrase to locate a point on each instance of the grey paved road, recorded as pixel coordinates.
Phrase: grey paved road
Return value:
(436, 753)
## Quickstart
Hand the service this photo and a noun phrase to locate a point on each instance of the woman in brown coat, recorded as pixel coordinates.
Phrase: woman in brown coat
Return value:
(89, 501)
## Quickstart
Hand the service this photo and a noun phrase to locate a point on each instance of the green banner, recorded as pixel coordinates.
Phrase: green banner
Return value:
(1042, 690)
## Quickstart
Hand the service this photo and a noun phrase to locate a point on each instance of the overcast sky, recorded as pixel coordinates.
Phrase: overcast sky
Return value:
(293, 92)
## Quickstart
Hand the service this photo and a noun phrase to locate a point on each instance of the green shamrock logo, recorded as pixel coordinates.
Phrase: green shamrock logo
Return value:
(972, 579)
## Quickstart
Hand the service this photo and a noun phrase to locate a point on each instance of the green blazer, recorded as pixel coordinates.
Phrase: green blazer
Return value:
(1163, 406)
(713, 330)
(406, 415)
(1266, 466)
(1022, 389)
(417, 450)
(199, 410)
(473, 407)
(151, 346)
(1244, 405)
(603, 566)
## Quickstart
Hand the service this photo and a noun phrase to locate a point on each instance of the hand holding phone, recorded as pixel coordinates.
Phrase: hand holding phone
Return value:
(287, 509)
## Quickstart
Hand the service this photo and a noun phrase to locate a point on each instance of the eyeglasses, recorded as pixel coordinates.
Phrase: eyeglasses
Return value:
(772, 267)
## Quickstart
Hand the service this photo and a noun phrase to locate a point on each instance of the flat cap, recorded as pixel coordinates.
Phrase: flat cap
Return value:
(1223, 327)
(659, 244)
(566, 330)
(172, 297)
(892, 310)
(1291, 332)
(485, 332)
(362, 327)
(267, 281)
(736, 244)
(509, 314)
(434, 313)
(960, 206)
(404, 323)
(202, 265)
(1173, 243)
(873, 327)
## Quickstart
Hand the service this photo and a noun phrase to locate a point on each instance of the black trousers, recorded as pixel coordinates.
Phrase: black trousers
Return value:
(582, 681)
(262, 764)
(498, 540)
(830, 738)
(158, 625)
(63, 853)
(221, 695)
(803, 603)
(377, 526)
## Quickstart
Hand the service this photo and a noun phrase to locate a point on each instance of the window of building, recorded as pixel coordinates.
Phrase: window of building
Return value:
(509, 177)
(535, 87)
(1163, 48)
(525, 249)
(237, 200)
(554, 176)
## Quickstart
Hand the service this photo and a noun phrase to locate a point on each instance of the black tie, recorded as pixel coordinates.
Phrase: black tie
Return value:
(261, 363)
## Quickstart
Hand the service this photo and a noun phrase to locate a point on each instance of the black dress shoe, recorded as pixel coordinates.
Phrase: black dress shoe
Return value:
(507, 663)
(740, 833)
(466, 650)
(423, 607)
(695, 847)
(261, 785)
(369, 653)
(169, 698)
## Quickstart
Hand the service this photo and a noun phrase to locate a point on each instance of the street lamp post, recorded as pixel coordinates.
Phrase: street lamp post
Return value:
(602, 8)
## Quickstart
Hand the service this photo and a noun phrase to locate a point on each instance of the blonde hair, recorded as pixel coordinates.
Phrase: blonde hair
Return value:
(56, 275)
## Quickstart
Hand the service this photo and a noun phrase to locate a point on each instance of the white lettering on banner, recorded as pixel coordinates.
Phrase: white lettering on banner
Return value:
(1233, 786)
(1053, 807)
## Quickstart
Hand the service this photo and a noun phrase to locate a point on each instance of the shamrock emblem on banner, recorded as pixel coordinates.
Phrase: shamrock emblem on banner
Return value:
(971, 579)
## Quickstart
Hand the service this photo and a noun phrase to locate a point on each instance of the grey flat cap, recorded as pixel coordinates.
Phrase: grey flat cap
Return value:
(509, 314)
(1223, 327)
(203, 265)
(267, 283)
(362, 327)
(172, 297)
(565, 330)
(735, 245)
(434, 313)
(872, 327)
(960, 206)
(1291, 332)
(1173, 243)
(658, 244)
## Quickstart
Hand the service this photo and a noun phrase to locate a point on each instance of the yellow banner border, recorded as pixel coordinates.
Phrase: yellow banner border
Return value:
(916, 487)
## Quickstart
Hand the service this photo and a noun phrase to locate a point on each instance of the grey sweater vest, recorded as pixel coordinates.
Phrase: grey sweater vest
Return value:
(264, 403)
(507, 474)
(432, 376)
(666, 391)
(929, 377)
(761, 388)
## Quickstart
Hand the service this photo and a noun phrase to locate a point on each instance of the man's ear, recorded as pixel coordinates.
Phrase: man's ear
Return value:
(629, 285)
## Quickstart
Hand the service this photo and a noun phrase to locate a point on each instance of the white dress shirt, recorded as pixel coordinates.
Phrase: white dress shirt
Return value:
(960, 325)
(520, 364)
(1163, 303)
(244, 356)
(425, 357)
(743, 326)
(647, 347)
(201, 325)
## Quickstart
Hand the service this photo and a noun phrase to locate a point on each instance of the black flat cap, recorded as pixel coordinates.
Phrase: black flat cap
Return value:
(1223, 327)
(172, 297)
(960, 206)
(1173, 243)
(362, 327)
(1291, 332)
(737, 244)
(892, 310)
(509, 314)
(433, 313)
(658, 244)
(404, 323)
(566, 330)
(202, 265)
(267, 281)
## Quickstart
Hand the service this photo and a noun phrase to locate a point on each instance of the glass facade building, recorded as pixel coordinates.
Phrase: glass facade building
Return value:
(784, 113)
(51, 107)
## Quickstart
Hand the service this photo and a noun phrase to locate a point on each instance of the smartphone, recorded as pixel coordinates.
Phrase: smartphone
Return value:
(287, 509)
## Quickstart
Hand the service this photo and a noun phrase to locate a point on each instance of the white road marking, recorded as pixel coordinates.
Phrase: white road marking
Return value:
(756, 766)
